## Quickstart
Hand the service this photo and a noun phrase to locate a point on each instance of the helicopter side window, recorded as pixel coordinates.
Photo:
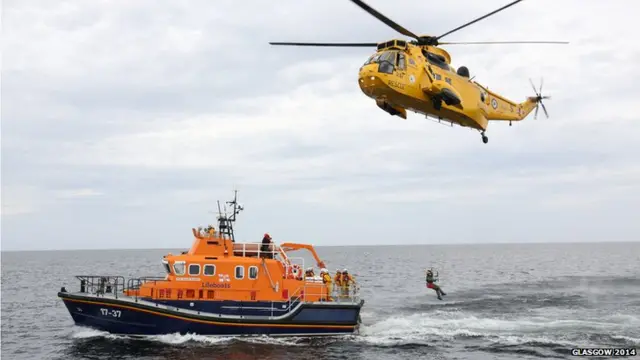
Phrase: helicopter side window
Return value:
(401, 63)
(437, 61)
(387, 62)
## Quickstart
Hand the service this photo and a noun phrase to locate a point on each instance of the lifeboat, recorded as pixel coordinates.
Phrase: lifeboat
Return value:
(220, 287)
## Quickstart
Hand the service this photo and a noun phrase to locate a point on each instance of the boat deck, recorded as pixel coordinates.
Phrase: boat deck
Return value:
(111, 289)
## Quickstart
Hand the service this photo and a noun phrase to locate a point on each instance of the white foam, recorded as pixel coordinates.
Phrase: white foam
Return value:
(78, 332)
(635, 341)
(176, 338)
(427, 328)
(181, 339)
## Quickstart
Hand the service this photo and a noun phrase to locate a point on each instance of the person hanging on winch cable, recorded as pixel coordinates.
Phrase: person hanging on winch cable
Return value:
(431, 284)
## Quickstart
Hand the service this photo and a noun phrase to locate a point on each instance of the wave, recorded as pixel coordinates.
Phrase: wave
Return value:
(442, 326)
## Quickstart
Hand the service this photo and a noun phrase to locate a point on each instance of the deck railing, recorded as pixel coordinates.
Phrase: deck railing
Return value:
(255, 250)
(135, 283)
(340, 294)
(101, 284)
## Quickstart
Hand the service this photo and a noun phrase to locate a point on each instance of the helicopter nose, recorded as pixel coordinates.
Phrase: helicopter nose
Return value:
(368, 80)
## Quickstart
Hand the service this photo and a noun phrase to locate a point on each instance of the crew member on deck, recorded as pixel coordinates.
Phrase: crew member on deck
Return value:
(337, 282)
(266, 250)
(431, 284)
(309, 272)
(347, 280)
(326, 279)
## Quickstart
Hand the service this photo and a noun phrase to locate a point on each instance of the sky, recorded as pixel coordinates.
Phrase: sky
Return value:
(124, 121)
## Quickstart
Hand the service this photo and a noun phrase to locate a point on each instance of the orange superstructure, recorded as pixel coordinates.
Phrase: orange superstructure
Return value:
(216, 267)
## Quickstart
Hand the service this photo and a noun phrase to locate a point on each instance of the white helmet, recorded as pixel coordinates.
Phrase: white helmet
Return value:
(309, 269)
(323, 270)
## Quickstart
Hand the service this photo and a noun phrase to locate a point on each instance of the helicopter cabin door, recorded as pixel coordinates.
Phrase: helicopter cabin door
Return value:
(401, 67)
(393, 62)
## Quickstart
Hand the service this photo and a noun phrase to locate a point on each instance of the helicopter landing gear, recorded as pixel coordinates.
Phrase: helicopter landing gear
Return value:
(485, 139)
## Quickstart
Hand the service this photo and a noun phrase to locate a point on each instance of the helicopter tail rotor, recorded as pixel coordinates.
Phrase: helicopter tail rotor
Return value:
(538, 98)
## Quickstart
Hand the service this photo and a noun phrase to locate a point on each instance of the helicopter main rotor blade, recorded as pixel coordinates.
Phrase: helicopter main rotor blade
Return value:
(501, 42)
(386, 20)
(476, 20)
(326, 44)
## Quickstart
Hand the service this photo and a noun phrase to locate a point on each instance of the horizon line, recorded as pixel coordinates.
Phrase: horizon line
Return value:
(352, 245)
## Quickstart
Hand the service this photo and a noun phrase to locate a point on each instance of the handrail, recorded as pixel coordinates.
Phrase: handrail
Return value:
(264, 264)
(255, 249)
(115, 285)
(101, 284)
(135, 283)
(352, 296)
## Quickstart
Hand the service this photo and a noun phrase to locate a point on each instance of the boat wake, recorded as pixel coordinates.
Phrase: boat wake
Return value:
(178, 339)
(537, 320)
(459, 331)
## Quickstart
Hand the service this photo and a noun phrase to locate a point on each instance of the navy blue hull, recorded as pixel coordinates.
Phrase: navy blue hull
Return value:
(125, 317)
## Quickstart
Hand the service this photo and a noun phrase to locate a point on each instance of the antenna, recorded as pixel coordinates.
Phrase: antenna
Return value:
(225, 221)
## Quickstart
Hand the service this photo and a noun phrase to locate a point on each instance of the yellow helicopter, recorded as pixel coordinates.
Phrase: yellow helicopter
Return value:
(417, 75)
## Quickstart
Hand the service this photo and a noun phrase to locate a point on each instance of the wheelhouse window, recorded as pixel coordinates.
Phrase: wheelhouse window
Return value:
(209, 270)
(178, 267)
(194, 269)
(239, 273)
(253, 272)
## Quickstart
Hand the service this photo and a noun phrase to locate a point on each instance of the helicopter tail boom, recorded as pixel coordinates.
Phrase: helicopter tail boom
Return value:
(502, 109)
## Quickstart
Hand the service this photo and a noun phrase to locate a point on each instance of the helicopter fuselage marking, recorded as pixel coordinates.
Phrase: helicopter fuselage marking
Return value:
(396, 84)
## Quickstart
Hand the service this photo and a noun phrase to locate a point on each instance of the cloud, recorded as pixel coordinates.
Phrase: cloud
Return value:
(127, 115)
(76, 193)
(19, 200)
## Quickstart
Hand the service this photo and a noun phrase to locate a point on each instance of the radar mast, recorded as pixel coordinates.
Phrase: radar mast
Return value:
(226, 219)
